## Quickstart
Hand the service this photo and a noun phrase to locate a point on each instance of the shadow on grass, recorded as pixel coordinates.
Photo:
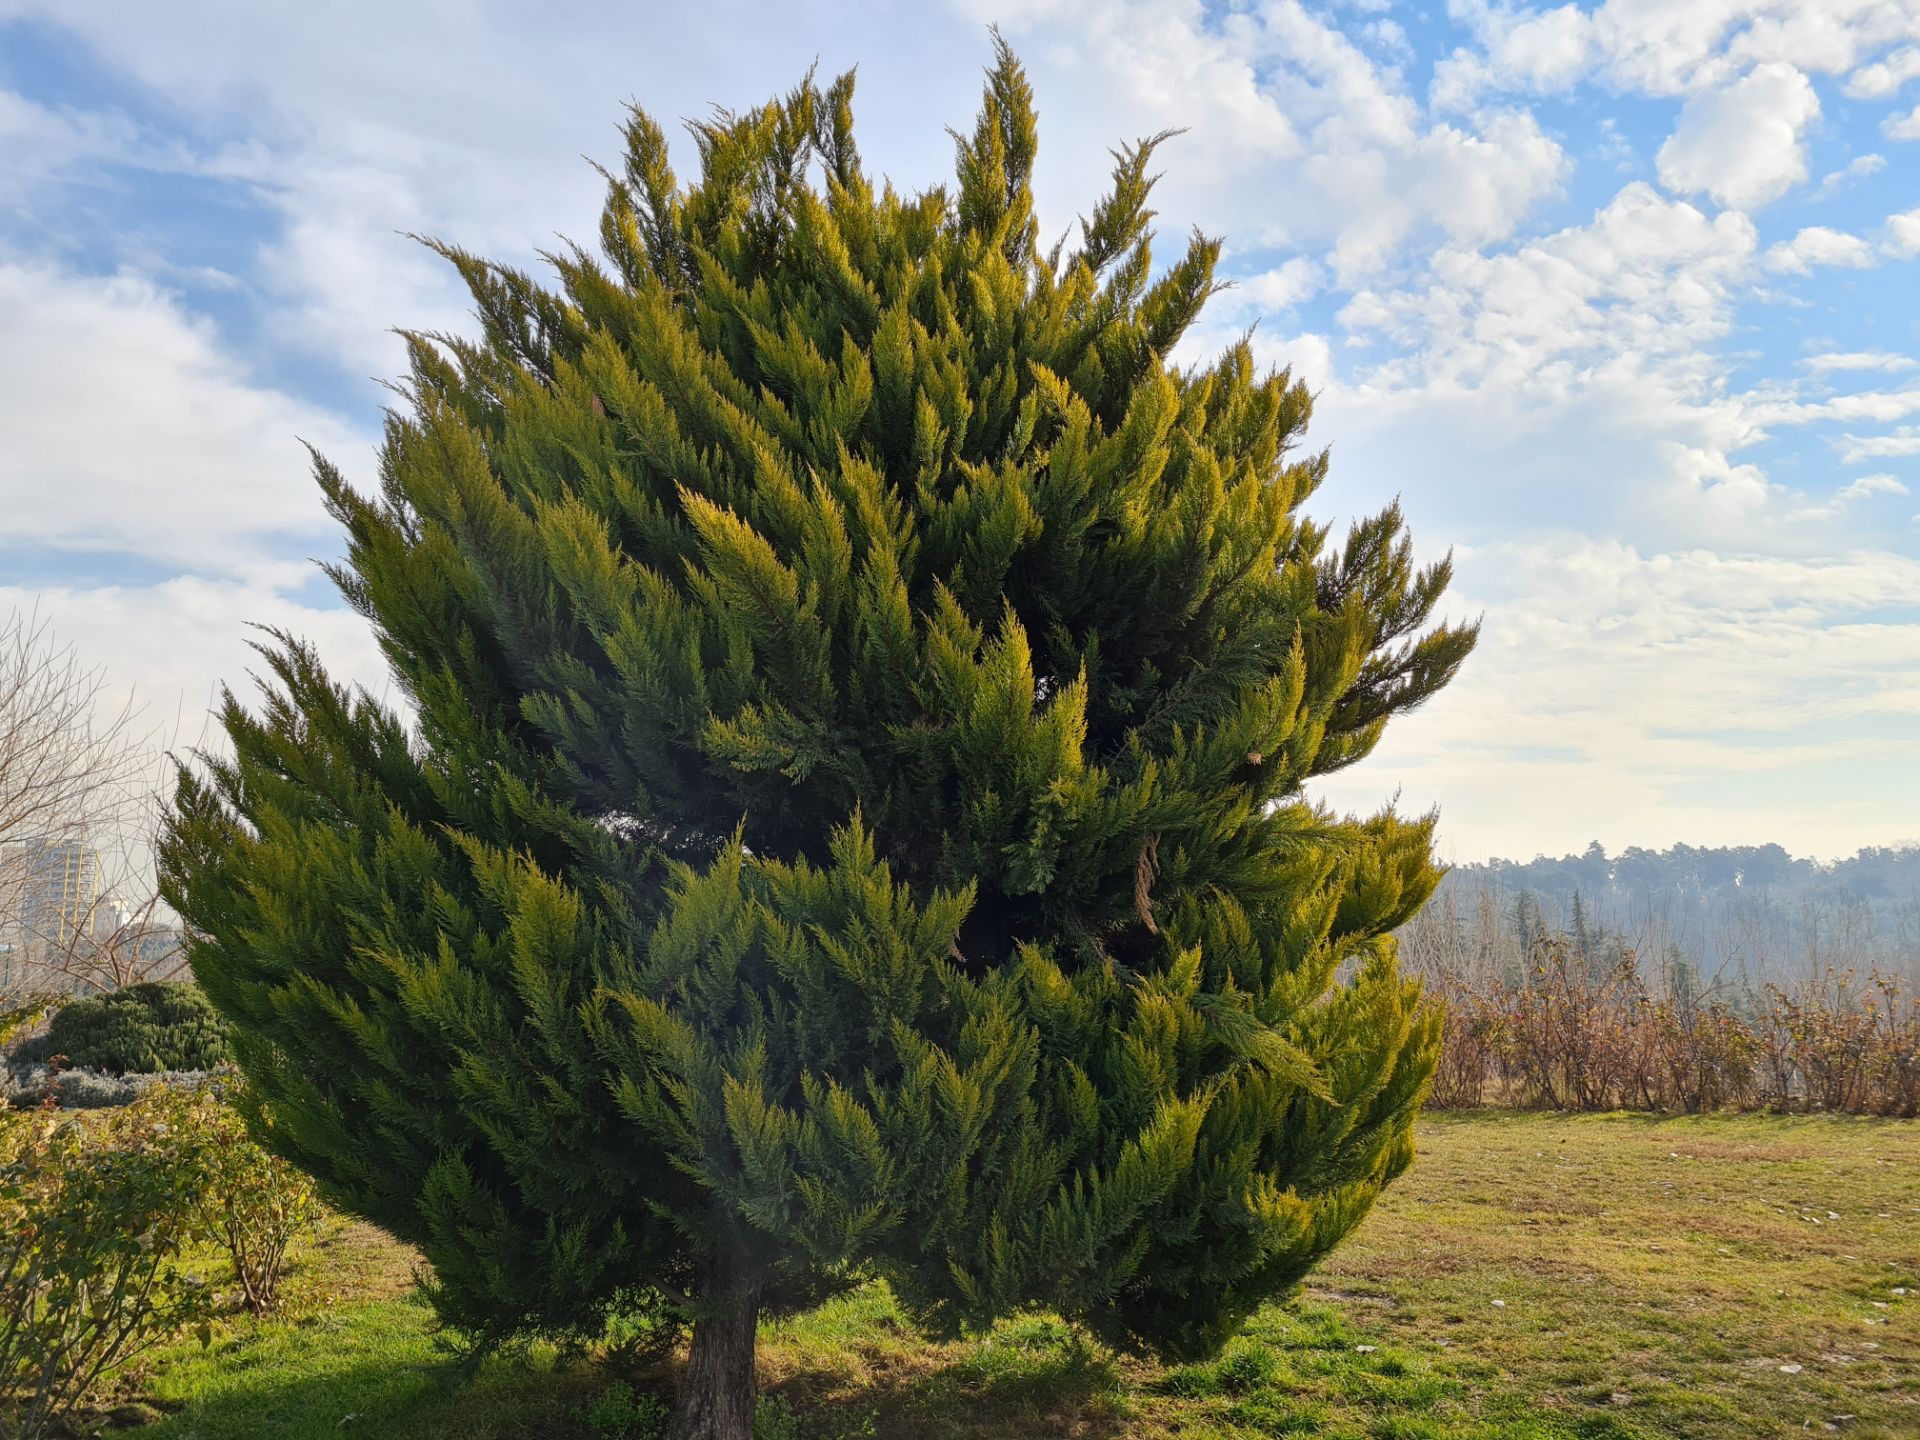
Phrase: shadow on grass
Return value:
(356, 1376)
(825, 1381)
(1030, 1379)
(379, 1401)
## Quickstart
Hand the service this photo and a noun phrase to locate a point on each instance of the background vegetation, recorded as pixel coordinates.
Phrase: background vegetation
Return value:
(143, 1029)
(117, 1231)
(1581, 1022)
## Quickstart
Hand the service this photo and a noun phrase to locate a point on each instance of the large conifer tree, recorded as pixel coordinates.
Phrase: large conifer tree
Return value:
(852, 818)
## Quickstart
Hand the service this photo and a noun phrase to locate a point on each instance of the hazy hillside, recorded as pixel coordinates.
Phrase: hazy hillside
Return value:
(1752, 910)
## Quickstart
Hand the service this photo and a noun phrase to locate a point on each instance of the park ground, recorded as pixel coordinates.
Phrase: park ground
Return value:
(1601, 1277)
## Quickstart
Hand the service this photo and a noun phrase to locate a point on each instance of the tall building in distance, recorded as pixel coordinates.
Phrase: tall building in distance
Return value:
(61, 894)
(51, 903)
(64, 930)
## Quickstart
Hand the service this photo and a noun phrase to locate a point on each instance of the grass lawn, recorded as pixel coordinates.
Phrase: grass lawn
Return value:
(1532, 1276)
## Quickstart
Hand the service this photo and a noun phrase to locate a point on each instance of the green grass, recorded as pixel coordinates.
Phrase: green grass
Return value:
(1533, 1277)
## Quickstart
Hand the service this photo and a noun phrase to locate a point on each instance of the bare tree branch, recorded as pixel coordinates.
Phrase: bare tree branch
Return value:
(80, 792)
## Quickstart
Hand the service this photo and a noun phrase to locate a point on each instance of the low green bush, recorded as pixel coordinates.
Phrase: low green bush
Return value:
(621, 1413)
(94, 1215)
(139, 1030)
(774, 1419)
(252, 1204)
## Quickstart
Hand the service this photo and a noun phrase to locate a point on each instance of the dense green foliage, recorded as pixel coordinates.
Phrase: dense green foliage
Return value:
(855, 816)
(144, 1029)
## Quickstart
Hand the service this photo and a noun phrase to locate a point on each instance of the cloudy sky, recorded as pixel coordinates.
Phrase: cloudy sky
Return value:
(1620, 299)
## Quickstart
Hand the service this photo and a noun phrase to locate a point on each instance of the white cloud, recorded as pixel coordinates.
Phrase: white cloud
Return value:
(1546, 51)
(352, 142)
(1772, 409)
(1883, 77)
(1663, 47)
(1865, 488)
(1743, 144)
(1459, 81)
(1537, 51)
(1829, 37)
(1581, 373)
(1647, 277)
(42, 143)
(130, 430)
(1904, 440)
(1903, 234)
(1902, 127)
(1281, 288)
(1627, 673)
(1390, 36)
(345, 276)
(1859, 360)
(1475, 186)
(204, 623)
(1866, 485)
(1292, 108)
(1818, 245)
(1858, 168)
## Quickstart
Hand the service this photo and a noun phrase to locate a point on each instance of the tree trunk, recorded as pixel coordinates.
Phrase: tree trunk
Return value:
(718, 1391)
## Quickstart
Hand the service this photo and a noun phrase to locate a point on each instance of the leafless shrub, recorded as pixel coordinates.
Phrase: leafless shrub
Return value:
(1568, 1035)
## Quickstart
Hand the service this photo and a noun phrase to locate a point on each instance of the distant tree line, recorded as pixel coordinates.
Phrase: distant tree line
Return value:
(1736, 916)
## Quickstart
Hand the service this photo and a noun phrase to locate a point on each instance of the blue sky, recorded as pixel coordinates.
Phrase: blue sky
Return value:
(1619, 299)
